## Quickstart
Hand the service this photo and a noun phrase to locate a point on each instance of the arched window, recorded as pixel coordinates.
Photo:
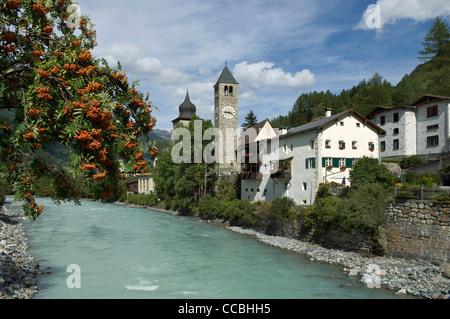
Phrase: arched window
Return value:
(226, 90)
(231, 90)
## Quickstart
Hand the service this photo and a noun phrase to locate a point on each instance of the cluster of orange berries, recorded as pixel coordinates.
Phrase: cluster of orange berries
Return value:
(83, 136)
(38, 53)
(43, 73)
(71, 67)
(43, 93)
(33, 112)
(9, 48)
(9, 37)
(47, 30)
(92, 87)
(12, 4)
(7, 127)
(29, 135)
(99, 176)
(86, 71)
(86, 56)
(87, 167)
(39, 8)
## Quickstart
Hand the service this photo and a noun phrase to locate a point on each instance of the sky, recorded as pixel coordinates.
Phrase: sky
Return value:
(276, 49)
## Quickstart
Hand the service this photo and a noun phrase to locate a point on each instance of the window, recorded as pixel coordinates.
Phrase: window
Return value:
(382, 120)
(354, 145)
(342, 162)
(432, 111)
(305, 186)
(358, 124)
(383, 146)
(327, 161)
(285, 148)
(341, 145)
(225, 90)
(396, 117)
(310, 163)
(371, 146)
(292, 147)
(328, 144)
(396, 131)
(311, 145)
(231, 90)
(342, 123)
(396, 145)
(433, 141)
(432, 127)
(354, 161)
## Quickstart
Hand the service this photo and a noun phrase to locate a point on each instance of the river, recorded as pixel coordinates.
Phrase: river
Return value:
(107, 251)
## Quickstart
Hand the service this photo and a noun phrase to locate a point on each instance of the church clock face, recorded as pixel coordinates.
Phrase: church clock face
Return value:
(229, 112)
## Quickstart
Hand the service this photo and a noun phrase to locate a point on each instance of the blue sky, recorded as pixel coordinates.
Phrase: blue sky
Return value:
(277, 49)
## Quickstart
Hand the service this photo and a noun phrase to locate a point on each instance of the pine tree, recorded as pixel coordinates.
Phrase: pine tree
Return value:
(250, 120)
(436, 41)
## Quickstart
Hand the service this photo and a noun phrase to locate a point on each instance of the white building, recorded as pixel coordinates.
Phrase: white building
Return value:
(400, 126)
(294, 163)
(420, 129)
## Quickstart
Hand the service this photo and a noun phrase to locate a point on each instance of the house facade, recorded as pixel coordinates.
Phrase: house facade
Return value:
(295, 162)
(141, 184)
(400, 126)
(420, 129)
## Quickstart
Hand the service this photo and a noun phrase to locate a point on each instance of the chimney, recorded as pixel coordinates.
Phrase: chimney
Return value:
(328, 112)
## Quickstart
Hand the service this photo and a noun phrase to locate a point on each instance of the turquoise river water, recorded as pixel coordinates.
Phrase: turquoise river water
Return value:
(133, 253)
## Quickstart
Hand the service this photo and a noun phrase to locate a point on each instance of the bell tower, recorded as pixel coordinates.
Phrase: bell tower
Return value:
(226, 119)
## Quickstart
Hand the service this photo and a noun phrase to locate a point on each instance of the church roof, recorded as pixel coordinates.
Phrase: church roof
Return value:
(226, 76)
(187, 109)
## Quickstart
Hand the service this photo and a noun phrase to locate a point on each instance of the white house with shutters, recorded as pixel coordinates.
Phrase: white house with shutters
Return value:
(295, 162)
(420, 129)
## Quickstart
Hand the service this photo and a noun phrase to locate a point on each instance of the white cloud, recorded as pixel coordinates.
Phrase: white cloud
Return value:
(390, 11)
(257, 75)
(134, 61)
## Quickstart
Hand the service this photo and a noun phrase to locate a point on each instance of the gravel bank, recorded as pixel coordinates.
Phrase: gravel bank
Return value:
(18, 269)
(420, 279)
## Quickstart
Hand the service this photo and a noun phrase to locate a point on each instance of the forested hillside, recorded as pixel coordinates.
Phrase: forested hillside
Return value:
(432, 76)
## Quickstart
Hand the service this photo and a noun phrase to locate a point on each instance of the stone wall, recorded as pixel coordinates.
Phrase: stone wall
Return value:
(418, 230)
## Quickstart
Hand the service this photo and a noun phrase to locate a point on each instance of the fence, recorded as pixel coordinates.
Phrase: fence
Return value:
(420, 192)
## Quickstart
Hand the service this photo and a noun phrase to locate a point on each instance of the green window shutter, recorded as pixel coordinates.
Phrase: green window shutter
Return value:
(314, 163)
(324, 162)
(335, 162)
(307, 163)
(349, 162)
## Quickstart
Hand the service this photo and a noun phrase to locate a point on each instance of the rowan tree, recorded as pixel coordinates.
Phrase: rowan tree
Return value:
(53, 90)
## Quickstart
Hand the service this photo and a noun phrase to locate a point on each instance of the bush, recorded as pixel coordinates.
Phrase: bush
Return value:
(326, 210)
(364, 209)
(4, 190)
(369, 171)
(210, 207)
(411, 161)
(442, 199)
(142, 199)
(426, 179)
(281, 209)
(241, 212)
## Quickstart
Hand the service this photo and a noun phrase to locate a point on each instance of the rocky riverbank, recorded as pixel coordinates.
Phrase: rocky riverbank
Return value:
(18, 269)
(405, 277)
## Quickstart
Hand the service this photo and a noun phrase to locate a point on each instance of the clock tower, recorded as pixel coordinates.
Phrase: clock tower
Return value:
(226, 120)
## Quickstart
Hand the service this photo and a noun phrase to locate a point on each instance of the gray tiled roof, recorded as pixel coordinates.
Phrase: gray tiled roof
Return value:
(321, 123)
(227, 77)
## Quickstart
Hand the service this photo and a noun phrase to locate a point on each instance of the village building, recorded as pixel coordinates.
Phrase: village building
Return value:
(295, 162)
(141, 184)
(423, 128)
